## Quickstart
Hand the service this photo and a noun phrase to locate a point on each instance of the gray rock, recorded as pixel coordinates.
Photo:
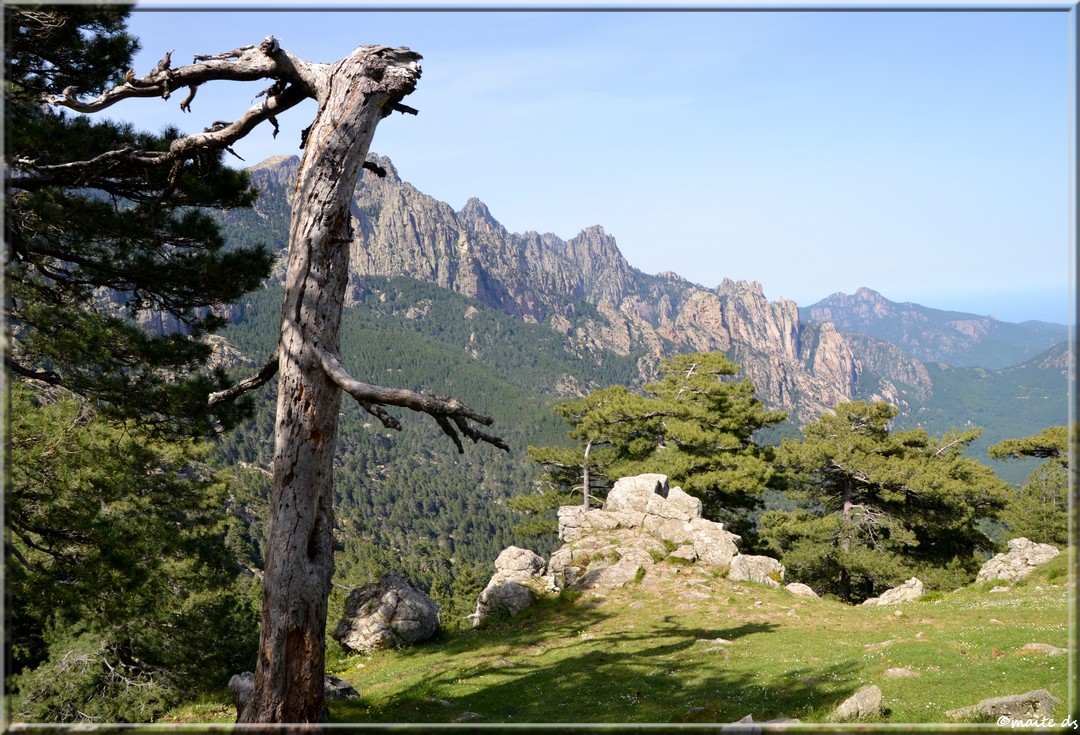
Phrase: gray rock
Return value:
(910, 590)
(1039, 703)
(637, 493)
(685, 553)
(714, 546)
(617, 575)
(388, 614)
(671, 530)
(507, 595)
(510, 589)
(798, 588)
(684, 503)
(1018, 562)
(900, 673)
(337, 689)
(1043, 649)
(334, 689)
(515, 560)
(760, 569)
(862, 705)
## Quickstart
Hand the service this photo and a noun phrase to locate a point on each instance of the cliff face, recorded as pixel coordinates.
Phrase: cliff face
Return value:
(586, 290)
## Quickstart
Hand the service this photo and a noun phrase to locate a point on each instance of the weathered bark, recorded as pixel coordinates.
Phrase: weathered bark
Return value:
(300, 559)
(353, 95)
(586, 481)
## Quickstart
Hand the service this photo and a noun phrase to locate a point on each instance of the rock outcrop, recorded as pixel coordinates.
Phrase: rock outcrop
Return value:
(1018, 562)
(910, 590)
(643, 520)
(511, 589)
(390, 613)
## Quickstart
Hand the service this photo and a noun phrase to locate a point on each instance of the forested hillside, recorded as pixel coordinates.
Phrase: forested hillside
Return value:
(406, 497)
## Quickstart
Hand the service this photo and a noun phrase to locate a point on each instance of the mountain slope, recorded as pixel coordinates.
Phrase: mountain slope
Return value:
(582, 288)
(932, 335)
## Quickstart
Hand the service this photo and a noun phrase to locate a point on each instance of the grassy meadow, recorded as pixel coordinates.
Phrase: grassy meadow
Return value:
(681, 646)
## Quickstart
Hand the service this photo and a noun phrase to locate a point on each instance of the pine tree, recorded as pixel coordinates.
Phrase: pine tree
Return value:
(696, 425)
(1039, 510)
(99, 242)
(879, 506)
(122, 598)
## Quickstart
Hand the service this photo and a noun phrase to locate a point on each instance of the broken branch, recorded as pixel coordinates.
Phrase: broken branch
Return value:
(442, 409)
(248, 384)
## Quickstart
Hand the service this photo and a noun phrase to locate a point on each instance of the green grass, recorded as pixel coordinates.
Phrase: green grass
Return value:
(648, 653)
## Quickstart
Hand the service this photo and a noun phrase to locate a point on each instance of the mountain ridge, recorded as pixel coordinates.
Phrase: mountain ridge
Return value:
(802, 360)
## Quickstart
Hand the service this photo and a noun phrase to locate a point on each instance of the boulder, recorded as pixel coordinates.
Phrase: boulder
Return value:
(1036, 704)
(910, 590)
(1018, 562)
(517, 561)
(336, 689)
(637, 493)
(798, 588)
(388, 614)
(510, 589)
(507, 595)
(864, 704)
(714, 546)
(684, 503)
(1041, 649)
(760, 569)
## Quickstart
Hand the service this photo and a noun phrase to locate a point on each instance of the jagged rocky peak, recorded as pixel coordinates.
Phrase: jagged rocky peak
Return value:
(402, 231)
(476, 216)
(865, 304)
(276, 171)
(387, 165)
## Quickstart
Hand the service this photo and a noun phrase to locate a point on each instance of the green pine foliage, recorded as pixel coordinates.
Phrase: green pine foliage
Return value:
(878, 506)
(99, 244)
(1039, 509)
(697, 425)
(122, 597)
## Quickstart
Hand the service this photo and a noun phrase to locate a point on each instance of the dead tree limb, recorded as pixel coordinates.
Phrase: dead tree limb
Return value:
(246, 385)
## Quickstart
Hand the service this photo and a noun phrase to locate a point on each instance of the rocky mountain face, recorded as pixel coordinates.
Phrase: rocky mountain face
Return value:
(801, 361)
(585, 289)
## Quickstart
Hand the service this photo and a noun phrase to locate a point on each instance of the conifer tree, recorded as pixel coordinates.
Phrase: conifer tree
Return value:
(100, 239)
(696, 425)
(121, 598)
(1039, 509)
(880, 506)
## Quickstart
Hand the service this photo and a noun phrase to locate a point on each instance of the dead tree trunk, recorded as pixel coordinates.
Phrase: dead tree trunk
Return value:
(353, 95)
(300, 560)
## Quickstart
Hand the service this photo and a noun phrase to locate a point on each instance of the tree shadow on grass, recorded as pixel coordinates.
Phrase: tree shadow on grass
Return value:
(546, 667)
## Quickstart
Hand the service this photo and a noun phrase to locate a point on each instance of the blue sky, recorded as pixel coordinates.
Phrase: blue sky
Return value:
(921, 154)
